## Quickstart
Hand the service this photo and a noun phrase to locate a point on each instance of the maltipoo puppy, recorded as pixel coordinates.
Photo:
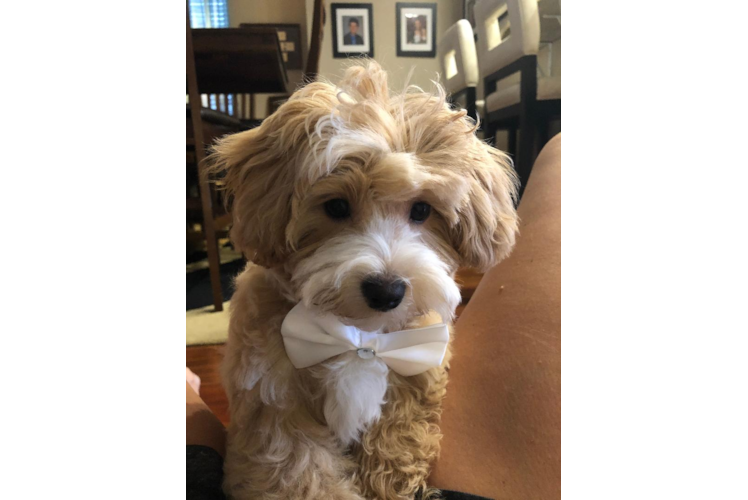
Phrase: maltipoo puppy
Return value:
(360, 206)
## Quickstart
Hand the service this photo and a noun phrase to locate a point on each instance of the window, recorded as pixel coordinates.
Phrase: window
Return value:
(209, 13)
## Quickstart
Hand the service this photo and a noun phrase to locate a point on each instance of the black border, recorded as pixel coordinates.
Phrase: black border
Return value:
(399, 6)
(334, 15)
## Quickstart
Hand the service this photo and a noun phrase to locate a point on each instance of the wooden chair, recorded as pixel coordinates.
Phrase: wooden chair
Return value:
(205, 198)
(225, 62)
(508, 43)
(459, 65)
(238, 62)
(229, 66)
(311, 68)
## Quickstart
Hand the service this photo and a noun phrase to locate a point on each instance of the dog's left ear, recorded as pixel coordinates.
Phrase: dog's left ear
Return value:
(487, 227)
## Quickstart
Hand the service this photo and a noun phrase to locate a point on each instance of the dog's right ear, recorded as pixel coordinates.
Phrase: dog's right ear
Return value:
(258, 193)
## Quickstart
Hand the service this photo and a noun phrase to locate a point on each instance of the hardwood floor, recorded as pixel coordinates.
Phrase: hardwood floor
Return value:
(205, 360)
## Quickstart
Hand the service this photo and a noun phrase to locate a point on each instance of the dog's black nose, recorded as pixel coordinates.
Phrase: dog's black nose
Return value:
(383, 294)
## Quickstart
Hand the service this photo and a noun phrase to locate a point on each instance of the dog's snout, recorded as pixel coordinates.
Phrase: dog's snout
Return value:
(383, 294)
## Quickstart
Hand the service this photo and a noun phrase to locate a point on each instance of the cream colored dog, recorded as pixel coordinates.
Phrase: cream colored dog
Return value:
(361, 204)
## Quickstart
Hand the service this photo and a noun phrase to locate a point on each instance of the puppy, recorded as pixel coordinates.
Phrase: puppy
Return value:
(361, 204)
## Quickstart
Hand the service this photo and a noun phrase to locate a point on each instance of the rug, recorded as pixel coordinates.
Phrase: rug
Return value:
(199, 291)
(205, 326)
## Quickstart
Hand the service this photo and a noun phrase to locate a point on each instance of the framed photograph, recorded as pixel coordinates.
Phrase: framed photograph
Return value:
(289, 37)
(416, 29)
(352, 30)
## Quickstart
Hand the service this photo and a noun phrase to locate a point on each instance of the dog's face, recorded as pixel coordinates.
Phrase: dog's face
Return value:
(369, 202)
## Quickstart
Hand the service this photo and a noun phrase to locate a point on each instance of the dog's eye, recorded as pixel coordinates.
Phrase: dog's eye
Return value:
(338, 208)
(420, 212)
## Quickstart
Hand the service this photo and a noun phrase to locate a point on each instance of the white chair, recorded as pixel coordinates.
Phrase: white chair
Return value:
(459, 65)
(548, 78)
(519, 21)
(515, 98)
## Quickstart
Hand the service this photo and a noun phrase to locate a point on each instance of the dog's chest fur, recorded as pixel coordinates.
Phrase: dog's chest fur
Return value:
(352, 390)
(355, 389)
(354, 394)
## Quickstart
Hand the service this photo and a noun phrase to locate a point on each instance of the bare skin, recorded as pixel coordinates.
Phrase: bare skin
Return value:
(501, 418)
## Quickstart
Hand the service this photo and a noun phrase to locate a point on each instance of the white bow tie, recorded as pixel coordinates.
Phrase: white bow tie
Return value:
(311, 338)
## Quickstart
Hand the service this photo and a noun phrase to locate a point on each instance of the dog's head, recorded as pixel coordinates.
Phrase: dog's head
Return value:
(369, 201)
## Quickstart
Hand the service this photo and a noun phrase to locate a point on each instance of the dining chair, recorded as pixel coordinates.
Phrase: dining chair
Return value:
(223, 62)
(459, 66)
(515, 98)
(206, 201)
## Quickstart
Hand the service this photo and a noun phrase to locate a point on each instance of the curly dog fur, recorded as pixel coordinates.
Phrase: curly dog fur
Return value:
(350, 428)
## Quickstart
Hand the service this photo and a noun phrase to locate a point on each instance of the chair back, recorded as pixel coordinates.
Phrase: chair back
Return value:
(507, 30)
(458, 58)
(233, 63)
(549, 66)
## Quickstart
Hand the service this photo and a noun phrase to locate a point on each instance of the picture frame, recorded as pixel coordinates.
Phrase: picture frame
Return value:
(352, 30)
(416, 29)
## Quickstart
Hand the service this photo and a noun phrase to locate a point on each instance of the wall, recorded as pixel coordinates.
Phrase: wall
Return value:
(385, 32)
(385, 49)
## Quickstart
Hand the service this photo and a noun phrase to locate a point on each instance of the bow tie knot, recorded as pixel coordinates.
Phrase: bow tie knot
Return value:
(311, 338)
